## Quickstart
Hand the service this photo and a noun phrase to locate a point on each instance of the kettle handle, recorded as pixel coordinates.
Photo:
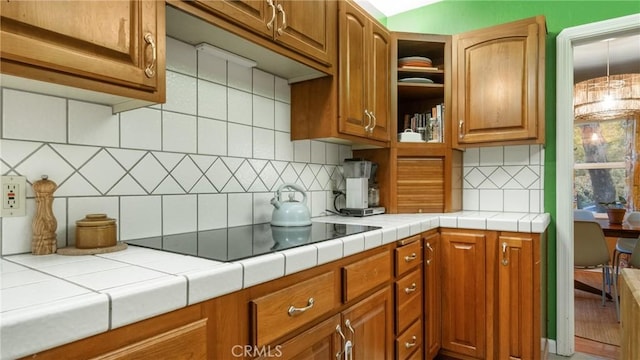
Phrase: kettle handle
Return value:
(295, 187)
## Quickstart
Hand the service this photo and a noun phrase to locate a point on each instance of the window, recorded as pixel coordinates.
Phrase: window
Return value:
(603, 162)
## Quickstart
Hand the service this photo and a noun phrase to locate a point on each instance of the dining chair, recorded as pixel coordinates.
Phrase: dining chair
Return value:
(625, 245)
(634, 261)
(590, 250)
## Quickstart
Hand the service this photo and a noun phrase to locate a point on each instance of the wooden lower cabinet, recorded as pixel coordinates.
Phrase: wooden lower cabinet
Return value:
(432, 293)
(321, 342)
(491, 294)
(368, 324)
(180, 334)
(467, 294)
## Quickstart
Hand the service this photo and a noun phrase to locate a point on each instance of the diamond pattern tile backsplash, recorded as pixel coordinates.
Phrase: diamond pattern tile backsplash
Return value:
(210, 157)
(504, 178)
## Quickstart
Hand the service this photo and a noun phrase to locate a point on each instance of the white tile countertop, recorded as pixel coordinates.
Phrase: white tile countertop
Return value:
(58, 299)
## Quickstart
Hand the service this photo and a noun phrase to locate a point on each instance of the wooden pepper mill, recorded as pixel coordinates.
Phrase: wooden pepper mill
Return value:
(44, 223)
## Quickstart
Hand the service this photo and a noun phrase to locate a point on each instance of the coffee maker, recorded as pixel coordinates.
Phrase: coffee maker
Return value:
(357, 173)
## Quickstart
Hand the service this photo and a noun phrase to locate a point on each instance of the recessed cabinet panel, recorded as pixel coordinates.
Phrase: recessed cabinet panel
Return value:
(353, 69)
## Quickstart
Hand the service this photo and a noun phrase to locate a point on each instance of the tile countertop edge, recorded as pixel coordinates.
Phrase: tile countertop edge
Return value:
(393, 227)
(57, 323)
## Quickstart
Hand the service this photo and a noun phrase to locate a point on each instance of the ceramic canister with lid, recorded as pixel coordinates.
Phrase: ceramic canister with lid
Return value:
(95, 231)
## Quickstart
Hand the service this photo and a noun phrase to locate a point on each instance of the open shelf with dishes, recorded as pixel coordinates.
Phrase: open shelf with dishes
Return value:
(420, 79)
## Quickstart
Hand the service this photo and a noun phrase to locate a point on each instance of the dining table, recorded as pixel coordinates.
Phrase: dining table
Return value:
(623, 230)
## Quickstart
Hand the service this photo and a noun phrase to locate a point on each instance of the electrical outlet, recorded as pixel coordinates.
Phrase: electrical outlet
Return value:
(14, 196)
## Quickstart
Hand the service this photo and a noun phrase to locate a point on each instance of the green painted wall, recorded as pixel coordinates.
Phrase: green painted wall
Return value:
(455, 16)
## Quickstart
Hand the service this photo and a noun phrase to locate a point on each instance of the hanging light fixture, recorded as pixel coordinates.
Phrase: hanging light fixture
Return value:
(608, 97)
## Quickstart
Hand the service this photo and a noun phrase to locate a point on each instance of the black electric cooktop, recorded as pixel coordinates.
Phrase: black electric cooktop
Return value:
(243, 242)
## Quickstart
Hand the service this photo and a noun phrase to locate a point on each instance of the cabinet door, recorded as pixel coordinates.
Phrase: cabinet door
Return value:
(308, 27)
(379, 82)
(353, 99)
(516, 298)
(115, 42)
(256, 15)
(463, 292)
(432, 296)
(499, 83)
(321, 342)
(368, 325)
(420, 185)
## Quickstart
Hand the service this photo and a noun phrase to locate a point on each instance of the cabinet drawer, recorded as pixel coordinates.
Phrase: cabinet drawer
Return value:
(408, 256)
(410, 341)
(279, 313)
(366, 274)
(408, 299)
(188, 341)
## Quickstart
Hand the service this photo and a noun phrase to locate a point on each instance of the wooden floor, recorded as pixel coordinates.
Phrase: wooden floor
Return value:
(602, 350)
(595, 348)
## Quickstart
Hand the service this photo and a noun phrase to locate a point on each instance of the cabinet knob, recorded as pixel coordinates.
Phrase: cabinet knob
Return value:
(410, 289)
(414, 341)
(461, 129)
(505, 259)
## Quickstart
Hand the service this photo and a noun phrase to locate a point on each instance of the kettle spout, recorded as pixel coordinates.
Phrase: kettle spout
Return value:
(275, 203)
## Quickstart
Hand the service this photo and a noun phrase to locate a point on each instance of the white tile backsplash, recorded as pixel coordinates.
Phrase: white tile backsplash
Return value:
(263, 108)
(24, 113)
(93, 124)
(179, 132)
(212, 100)
(504, 178)
(263, 84)
(141, 129)
(239, 112)
(182, 91)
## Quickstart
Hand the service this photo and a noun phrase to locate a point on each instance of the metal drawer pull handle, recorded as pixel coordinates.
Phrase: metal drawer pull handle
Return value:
(295, 311)
(460, 129)
(284, 20)
(505, 260)
(411, 288)
(273, 14)
(409, 345)
(149, 71)
(411, 257)
(431, 251)
(339, 331)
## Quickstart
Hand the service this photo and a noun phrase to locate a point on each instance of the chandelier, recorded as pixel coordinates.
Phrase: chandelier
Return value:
(607, 97)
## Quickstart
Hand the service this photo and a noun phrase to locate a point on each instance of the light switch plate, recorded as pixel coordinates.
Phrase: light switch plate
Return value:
(14, 196)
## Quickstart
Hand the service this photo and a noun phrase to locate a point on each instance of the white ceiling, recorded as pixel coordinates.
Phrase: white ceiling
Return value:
(590, 60)
(393, 7)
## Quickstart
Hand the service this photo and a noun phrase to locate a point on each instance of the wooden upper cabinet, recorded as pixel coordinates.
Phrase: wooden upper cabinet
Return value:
(307, 27)
(364, 74)
(115, 47)
(499, 84)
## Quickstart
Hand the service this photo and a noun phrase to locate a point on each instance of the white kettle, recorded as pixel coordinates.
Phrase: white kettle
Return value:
(290, 212)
